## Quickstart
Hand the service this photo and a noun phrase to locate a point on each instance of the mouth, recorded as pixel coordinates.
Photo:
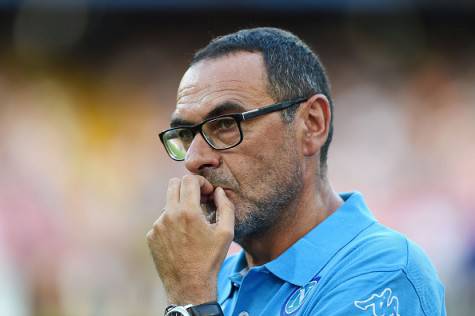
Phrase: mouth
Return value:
(228, 191)
(219, 178)
(209, 207)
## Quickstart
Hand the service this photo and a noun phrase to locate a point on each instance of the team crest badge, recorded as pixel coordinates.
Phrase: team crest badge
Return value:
(298, 298)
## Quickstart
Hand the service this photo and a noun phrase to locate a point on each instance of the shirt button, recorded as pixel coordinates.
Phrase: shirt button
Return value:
(243, 313)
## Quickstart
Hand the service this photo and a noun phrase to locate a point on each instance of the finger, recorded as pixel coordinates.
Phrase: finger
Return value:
(224, 210)
(173, 193)
(190, 190)
(205, 186)
(193, 187)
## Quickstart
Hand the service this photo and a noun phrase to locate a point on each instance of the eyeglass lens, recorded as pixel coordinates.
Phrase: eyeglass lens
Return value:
(220, 133)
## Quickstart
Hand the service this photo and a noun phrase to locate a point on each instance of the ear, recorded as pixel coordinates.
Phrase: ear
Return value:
(315, 116)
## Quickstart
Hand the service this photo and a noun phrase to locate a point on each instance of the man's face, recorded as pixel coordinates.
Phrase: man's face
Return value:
(263, 174)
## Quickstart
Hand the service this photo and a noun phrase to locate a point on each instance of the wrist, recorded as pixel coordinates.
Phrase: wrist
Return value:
(190, 294)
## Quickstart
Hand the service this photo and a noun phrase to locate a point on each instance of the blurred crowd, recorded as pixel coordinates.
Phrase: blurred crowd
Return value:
(83, 174)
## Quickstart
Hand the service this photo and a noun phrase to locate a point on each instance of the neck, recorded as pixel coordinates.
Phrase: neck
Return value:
(308, 210)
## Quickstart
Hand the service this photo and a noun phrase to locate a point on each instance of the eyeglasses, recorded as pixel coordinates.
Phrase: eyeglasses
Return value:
(221, 132)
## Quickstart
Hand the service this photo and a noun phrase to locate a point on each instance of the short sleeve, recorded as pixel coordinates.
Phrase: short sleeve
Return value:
(388, 293)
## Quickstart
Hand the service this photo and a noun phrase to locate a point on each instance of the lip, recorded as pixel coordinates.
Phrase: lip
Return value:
(228, 192)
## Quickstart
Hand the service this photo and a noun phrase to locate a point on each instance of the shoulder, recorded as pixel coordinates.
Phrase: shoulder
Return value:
(379, 248)
(381, 264)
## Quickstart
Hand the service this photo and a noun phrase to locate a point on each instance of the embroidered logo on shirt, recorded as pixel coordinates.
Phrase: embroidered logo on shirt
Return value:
(384, 304)
(297, 298)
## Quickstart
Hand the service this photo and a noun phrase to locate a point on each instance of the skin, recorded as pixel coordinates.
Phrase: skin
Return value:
(276, 161)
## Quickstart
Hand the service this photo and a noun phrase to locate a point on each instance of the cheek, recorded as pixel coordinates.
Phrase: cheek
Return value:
(258, 174)
(261, 161)
(250, 172)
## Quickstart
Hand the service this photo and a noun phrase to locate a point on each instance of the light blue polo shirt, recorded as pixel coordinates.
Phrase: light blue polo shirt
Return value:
(347, 265)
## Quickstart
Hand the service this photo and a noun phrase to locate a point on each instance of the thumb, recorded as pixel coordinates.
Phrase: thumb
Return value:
(224, 210)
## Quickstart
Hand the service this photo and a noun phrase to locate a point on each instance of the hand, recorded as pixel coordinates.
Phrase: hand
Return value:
(187, 249)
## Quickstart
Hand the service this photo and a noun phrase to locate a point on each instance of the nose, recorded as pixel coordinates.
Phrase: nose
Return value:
(200, 155)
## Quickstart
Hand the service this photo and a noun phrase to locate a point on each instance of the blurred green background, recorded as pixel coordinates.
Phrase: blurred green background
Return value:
(85, 87)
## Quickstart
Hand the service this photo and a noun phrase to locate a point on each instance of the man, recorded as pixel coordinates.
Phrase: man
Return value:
(253, 124)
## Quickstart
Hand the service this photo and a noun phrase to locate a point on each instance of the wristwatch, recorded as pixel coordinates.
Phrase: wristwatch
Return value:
(206, 309)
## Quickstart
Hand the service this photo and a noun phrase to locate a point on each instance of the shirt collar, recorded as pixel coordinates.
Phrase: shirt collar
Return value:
(238, 264)
(303, 260)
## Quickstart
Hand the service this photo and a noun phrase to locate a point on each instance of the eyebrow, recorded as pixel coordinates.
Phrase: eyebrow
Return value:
(222, 108)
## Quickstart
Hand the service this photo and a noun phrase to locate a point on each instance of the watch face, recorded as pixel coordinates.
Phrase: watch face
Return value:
(178, 311)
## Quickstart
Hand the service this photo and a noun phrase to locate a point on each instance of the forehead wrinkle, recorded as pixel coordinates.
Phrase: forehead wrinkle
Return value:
(220, 86)
(182, 91)
(222, 95)
(198, 95)
(226, 107)
(194, 112)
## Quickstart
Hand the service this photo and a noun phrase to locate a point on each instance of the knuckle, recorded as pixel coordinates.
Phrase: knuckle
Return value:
(189, 179)
(173, 181)
(156, 227)
(188, 216)
(164, 220)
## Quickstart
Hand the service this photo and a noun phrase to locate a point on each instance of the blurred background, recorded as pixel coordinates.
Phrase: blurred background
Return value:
(85, 86)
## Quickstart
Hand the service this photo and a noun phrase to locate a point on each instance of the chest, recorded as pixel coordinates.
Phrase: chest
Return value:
(261, 293)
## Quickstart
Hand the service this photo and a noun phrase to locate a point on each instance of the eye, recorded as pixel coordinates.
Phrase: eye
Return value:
(225, 124)
(185, 135)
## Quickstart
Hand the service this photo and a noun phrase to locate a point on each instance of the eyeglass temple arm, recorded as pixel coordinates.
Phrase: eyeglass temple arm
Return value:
(271, 108)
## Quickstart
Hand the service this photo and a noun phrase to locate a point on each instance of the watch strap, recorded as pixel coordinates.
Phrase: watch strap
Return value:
(206, 309)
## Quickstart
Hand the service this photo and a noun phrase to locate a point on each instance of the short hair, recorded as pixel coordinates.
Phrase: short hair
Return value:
(293, 69)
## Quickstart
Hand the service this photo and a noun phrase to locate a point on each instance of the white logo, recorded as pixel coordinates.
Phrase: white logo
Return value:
(297, 298)
(384, 304)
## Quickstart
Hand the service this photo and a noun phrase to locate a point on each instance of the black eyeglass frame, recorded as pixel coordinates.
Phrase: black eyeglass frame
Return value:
(238, 117)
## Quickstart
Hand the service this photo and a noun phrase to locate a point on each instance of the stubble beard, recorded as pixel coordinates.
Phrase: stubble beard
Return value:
(256, 215)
